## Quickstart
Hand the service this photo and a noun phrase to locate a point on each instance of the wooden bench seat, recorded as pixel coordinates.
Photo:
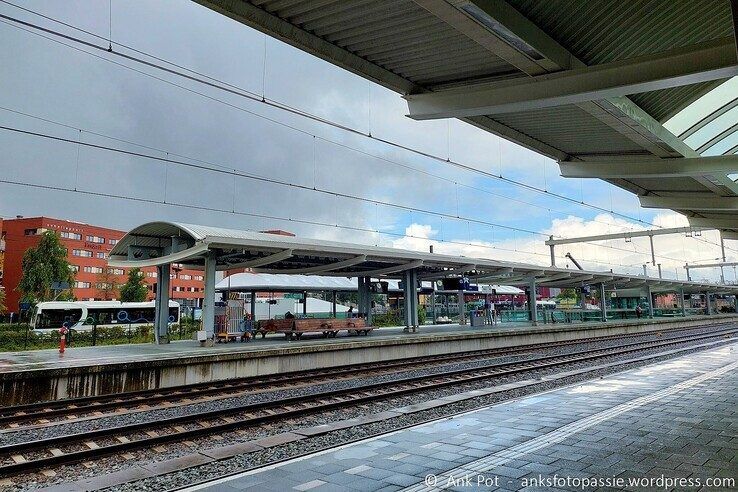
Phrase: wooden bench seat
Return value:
(275, 326)
(329, 327)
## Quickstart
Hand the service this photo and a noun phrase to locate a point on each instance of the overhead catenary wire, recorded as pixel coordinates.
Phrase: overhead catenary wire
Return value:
(272, 217)
(235, 90)
(207, 166)
(242, 174)
(241, 92)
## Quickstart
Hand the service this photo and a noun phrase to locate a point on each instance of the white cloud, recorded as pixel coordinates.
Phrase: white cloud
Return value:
(672, 251)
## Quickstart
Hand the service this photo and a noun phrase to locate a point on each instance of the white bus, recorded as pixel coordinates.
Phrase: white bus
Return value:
(80, 315)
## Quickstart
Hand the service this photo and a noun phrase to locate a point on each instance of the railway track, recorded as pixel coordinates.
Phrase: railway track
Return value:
(12, 418)
(46, 453)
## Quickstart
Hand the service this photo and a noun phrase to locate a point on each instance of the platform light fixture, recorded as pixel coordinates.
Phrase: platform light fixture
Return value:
(500, 31)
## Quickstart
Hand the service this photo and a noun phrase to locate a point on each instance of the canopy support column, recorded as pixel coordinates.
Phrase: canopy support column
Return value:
(304, 303)
(462, 307)
(333, 302)
(410, 290)
(650, 302)
(361, 302)
(208, 302)
(365, 299)
(161, 303)
(684, 303)
(603, 303)
(414, 296)
(707, 302)
(433, 302)
(252, 306)
(532, 301)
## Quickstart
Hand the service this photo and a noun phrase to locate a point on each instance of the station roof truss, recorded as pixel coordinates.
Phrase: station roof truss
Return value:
(589, 84)
(280, 282)
(161, 243)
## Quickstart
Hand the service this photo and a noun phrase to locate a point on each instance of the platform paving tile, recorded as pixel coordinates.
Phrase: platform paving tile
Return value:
(668, 431)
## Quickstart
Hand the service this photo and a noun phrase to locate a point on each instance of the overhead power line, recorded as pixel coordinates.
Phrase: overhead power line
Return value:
(221, 85)
(235, 90)
(220, 169)
(280, 218)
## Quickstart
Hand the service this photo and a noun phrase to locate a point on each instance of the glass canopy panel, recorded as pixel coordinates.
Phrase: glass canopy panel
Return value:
(710, 124)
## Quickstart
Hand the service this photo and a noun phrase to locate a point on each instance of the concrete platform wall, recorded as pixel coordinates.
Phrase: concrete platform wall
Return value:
(22, 387)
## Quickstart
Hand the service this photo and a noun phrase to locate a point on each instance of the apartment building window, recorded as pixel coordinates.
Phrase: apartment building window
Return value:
(82, 253)
(116, 271)
(70, 235)
(100, 255)
(81, 285)
(112, 242)
(30, 232)
(73, 268)
(199, 278)
(185, 277)
(151, 274)
(95, 239)
(92, 269)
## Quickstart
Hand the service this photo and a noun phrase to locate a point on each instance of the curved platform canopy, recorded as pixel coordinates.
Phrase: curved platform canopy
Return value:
(589, 84)
(280, 282)
(162, 243)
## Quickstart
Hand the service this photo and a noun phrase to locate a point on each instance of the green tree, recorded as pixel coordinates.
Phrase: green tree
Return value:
(567, 294)
(2, 300)
(134, 290)
(44, 266)
(106, 287)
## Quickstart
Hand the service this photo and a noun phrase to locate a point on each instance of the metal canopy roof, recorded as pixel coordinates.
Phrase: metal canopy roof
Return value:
(280, 282)
(265, 282)
(580, 82)
(160, 243)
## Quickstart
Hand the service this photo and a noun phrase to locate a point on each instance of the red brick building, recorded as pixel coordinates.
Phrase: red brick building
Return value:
(87, 252)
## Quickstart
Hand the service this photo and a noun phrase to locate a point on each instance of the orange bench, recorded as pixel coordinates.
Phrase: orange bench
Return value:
(275, 326)
(329, 327)
(357, 325)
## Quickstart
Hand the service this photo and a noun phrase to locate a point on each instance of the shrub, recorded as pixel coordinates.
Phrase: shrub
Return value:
(390, 318)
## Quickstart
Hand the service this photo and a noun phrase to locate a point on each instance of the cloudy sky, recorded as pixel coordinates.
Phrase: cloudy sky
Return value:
(228, 160)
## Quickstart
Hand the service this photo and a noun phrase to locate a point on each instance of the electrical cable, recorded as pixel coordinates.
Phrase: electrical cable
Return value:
(241, 92)
(272, 217)
(224, 170)
(261, 99)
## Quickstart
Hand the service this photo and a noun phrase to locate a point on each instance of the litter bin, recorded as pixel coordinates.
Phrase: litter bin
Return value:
(476, 318)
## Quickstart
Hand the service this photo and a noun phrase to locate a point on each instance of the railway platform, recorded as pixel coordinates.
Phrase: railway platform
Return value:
(672, 425)
(31, 376)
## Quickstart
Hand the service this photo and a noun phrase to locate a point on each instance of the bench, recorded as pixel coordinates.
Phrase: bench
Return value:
(357, 325)
(275, 326)
(329, 327)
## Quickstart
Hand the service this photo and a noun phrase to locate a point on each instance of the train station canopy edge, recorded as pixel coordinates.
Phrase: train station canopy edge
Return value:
(589, 84)
(161, 243)
(280, 282)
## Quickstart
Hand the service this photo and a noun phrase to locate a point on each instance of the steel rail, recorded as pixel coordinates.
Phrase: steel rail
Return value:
(299, 406)
(234, 387)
